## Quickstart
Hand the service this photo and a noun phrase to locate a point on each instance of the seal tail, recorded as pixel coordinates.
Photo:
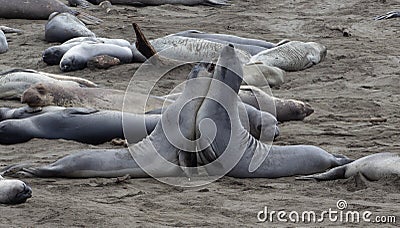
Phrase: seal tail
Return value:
(13, 170)
(88, 19)
(216, 2)
(333, 174)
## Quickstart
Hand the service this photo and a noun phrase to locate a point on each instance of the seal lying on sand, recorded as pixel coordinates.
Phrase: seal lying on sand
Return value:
(282, 161)
(15, 81)
(77, 57)
(292, 56)
(79, 124)
(53, 54)
(39, 10)
(224, 149)
(372, 167)
(45, 94)
(14, 191)
(25, 112)
(388, 15)
(262, 76)
(65, 26)
(162, 2)
(3, 43)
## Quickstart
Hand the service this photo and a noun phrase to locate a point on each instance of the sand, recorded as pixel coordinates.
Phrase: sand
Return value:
(358, 81)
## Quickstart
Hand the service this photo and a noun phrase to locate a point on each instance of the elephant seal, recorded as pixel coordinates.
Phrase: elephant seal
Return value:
(45, 94)
(3, 43)
(372, 167)
(64, 26)
(39, 10)
(388, 15)
(80, 3)
(263, 76)
(25, 112)
(54, 54)
(79, 124)
(6, 29)
(14, 191)
(77, 57)
(14, 82)
(163, 2)
(231, 146)
(292, 56)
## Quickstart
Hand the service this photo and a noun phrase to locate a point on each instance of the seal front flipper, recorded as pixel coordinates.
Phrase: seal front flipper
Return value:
(79, 111)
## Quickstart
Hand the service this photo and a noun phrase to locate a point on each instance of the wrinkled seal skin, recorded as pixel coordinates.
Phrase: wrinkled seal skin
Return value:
(14, 191)
(79, 124)
(3, 43)
(65, 26)
(372, 168)
(32, 9)
(280, 161)
(77, 57)
(54, 54)
(162, 2)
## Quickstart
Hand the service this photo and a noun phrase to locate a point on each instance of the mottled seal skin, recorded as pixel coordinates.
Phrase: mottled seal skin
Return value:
(14, 82)
(79, 124)
(259, 159)
(3, 43)
(77, 57)
(14, 191)
(65, 26)
(292, 56)
(162, 2)
(54, 54)
(372, 167)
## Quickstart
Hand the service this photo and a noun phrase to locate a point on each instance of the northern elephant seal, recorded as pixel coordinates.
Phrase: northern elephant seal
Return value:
(64, 26)
(45, 94)
(262, 76)
(79, 124)
(14, 191)
(162, 2)
(372, 167)
(3, 43)
(54, 54)
(25, 112)
(231, 146)
(77, 57)
(292, 56)
(14, 82)
(39, 10)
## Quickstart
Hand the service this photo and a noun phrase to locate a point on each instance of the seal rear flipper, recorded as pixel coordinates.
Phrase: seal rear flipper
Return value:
(216, 2)
(187, 162)
(13, 170)
(333, 174)
(79, 111)
(88, 19)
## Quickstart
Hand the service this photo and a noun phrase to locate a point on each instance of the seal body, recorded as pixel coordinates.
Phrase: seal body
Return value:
(77, 57)
(3, 43)
(65, 26)
(162, 2)
(292, 56)
(14, 191)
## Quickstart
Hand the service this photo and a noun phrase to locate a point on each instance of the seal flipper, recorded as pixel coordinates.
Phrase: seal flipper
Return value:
(79, 111)
(332, 174)
(216, 2)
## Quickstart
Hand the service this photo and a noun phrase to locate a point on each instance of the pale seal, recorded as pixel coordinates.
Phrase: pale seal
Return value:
(259, 159)
(77, 57)
(263, 76)
(14, 191)
(3, 43)
(14, 82)
(162, 2)
(292, 56)
(372, 167)
(64, 26)
(388, 15)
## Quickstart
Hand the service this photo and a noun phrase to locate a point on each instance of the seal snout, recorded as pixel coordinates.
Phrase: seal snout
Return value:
(33, 96)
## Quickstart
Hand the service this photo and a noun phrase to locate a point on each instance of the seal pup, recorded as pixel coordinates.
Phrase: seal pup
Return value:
(79, 124)
(77, 57)
(372, 167)
(3, 43)
(163, 2)
(45, 94)
(64, 26)
(262, 76)
(39, 10)
(292, 56)
(14, 191)
(53, 54)
(14, 82)
(231, 146)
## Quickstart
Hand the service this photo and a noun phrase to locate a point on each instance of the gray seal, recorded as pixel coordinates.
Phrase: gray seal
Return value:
(163, 2)
(259, 159)
(77, 57)
(3, 43)
(79, 124)
(14, 191)
(64, 26)
(372, 167)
